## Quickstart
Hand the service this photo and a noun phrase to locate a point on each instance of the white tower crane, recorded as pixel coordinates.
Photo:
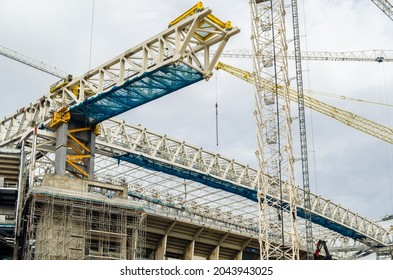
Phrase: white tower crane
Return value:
(278, 228)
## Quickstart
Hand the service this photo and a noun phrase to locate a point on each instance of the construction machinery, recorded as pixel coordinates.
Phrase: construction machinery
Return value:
(181, 201)
(356, 56)
(274, 153)
(351, 119)
(322, 244)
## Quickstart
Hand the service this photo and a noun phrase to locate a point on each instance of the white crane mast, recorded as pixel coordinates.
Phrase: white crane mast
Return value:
(277, 220)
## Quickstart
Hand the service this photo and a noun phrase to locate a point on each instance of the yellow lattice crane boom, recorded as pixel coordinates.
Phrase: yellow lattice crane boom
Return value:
(351, 119)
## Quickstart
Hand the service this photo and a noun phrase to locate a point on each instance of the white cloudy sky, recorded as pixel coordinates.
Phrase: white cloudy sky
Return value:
(347, 166)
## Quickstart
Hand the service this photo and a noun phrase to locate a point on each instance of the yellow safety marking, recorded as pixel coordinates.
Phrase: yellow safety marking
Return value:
(196, 8)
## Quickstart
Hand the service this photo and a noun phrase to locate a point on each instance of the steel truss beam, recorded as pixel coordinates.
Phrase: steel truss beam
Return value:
(158, 152)
(158, 66)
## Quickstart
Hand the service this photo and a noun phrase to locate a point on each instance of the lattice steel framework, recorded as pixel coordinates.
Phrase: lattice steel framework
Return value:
(186, 182)
(358, 56)
(278, 237)
(302, 128)
(351, 119)
(385, 7)
(160, 65)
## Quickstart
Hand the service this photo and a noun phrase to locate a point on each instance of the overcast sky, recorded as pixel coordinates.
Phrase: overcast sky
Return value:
(346, 166)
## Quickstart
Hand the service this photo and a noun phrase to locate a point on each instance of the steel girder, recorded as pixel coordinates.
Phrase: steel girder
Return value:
(161, 153)
(158, 66)
(137, 145)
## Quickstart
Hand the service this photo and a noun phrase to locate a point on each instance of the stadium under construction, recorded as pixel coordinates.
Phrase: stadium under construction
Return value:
(77, 183)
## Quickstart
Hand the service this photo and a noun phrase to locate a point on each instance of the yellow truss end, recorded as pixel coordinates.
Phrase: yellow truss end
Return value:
(219, 65)
(227, 25)
(60, 117)
(196, 8)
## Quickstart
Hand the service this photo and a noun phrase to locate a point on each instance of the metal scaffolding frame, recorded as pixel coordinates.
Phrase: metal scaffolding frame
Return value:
(65, 227)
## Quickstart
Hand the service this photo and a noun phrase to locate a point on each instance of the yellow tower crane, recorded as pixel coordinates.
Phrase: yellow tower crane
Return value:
(351, 119)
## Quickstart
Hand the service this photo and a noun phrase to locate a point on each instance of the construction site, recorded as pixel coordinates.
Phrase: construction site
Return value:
(79, 181)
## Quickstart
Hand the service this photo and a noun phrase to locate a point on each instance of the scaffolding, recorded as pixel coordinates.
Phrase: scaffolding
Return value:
(74, 228)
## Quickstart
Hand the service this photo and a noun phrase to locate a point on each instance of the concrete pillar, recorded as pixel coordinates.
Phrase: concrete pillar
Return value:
(239, 256)
(189, 252)
(61, 149)
(161, 249)
(214, 255)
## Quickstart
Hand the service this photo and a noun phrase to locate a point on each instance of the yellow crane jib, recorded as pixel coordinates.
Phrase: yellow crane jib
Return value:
(353, 120)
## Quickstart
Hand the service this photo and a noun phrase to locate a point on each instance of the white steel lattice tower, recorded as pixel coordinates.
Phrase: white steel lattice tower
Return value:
(277, 222)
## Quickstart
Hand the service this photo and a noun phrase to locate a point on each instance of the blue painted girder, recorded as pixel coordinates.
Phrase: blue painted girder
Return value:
(134, 92)
(214, 182)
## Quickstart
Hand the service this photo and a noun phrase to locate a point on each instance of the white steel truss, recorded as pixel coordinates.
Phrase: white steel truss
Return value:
(278, 237)
(178, 44)
(119, 138)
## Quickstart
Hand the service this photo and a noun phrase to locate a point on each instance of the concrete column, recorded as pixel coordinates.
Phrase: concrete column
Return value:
(61, 149)
(239, 256)
(214, 255)
(161, 249)
(189, 252)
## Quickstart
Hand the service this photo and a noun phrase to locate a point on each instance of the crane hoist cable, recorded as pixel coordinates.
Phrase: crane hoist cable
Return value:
(91, 33)
(216, 105)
